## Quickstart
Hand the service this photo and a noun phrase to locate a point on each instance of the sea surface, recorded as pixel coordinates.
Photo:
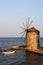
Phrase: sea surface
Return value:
(19, 57)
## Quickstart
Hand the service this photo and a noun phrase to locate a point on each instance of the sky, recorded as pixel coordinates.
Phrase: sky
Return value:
(14, 12)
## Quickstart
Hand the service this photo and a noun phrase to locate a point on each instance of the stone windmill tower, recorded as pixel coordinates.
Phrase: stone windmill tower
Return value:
(32, 36)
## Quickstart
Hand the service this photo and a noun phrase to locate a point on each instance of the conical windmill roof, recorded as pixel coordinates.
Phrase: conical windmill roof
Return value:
(32, 29)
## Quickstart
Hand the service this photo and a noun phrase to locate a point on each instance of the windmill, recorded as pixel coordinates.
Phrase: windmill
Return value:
(32, 35)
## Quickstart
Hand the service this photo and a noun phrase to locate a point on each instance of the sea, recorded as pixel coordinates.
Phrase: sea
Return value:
(20, 57)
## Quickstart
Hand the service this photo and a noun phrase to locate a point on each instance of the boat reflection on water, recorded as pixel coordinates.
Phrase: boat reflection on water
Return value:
(32, 59)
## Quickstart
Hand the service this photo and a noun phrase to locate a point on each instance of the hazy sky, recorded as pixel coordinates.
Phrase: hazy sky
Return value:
(13, 13)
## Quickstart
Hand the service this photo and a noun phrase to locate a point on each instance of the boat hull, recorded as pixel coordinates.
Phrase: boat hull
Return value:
(8, 53)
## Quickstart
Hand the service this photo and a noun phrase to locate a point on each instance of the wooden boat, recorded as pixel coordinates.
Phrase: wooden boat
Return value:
(8, 52)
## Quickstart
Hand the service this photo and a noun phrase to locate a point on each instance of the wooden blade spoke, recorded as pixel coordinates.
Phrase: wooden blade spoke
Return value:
(30, 24)
(23, 24)
(23, 34)
(28, 20)
(22, 28)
